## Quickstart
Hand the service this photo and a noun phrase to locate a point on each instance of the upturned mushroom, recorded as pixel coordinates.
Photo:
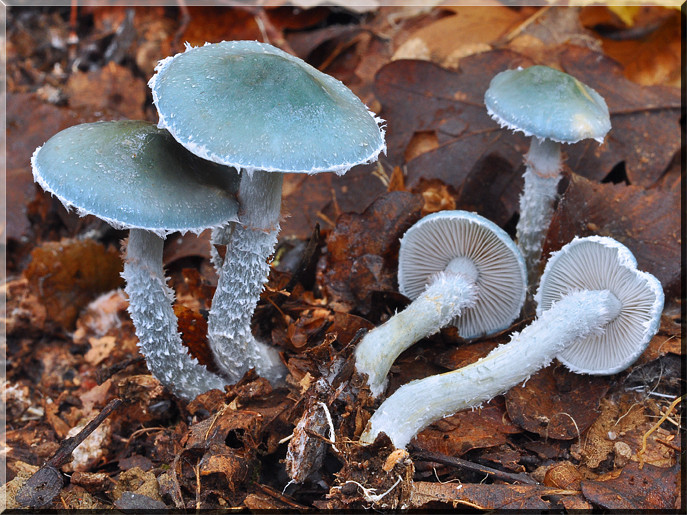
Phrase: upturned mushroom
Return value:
(596, 313)
(460, 269)
(135, 176)
(264, 112)
(552, 107)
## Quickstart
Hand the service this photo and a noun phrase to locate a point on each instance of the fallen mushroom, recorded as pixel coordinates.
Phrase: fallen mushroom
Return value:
(460, 269)
(552, 107)
(264, 112)
(135, 176)
(596, 313)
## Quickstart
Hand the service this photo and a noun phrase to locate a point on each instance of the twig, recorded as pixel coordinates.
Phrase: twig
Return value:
(42, 487)
(640, 453)
(104, 374)
(467, 465)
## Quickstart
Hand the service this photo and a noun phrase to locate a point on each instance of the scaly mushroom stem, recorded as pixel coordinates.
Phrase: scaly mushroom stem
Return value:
(419, 403)
(150, 306)
(449, 294)
(242, 277)
(536, 204)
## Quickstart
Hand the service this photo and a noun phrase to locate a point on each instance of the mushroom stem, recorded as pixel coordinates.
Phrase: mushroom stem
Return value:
(449, 294)
(242, 276)
(419, 403)
(150, 306)
(536, 204)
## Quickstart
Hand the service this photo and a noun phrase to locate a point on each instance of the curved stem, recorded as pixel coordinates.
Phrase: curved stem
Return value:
(242, 276)
(443, 300)
(419, 403)
(536, 203)
(150, 306)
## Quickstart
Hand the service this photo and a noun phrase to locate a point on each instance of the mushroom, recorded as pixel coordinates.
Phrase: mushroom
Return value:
(552, 107)
(135, 176)
(460, 269)
(596, 313)
(264, 112)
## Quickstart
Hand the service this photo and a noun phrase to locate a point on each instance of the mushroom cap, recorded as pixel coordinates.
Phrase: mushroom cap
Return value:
(547, 103)
(133, 175)
(254, 107)
(601, 263)
(428, 247)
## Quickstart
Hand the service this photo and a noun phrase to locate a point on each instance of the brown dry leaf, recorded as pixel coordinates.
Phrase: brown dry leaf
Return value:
(651, 488)
(465, 355)
(105, 313)
(178, 246)
(614, 421)
(311, 323)
(646, 221)
(194, 329)
(216, 23)
(556, 403)
(309, 199)
(660, 345)
(654, 58)
(466, 430)
(357, 264)
(30, 123)
(112, 88)
(645, 120)
(67, 275)
(481, 496)
(100, 349)
(469, 30)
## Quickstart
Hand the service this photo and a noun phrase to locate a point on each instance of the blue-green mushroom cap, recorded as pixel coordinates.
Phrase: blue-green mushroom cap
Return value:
(547, 103)
(134, 175)
(254, 107)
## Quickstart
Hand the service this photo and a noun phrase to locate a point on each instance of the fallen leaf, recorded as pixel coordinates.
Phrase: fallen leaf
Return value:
(646, 221)
(471, 429)
(194, 330)
(67, 275)
(357, 264)
(651, 488)
(645, 122)
(100, 349)
(111, 88)
(556, 403)
(481, 496)
(447, 39)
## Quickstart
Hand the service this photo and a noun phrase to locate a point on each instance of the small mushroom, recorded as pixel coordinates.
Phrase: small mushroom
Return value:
(253, 107)
(135, 176)
(460, 269)
(552, 107)
(596, 314)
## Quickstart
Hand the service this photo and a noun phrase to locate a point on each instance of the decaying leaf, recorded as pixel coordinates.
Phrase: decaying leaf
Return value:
(481, 496)
(646, 221)
(651, 488)
(358, 264)
(67, 275)
(556, 403)
(470, 429)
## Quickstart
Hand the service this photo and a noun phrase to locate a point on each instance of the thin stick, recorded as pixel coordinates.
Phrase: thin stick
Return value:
(640, 453)
(464, 464)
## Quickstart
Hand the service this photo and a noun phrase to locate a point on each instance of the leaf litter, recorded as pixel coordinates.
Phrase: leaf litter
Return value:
(559, 441)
